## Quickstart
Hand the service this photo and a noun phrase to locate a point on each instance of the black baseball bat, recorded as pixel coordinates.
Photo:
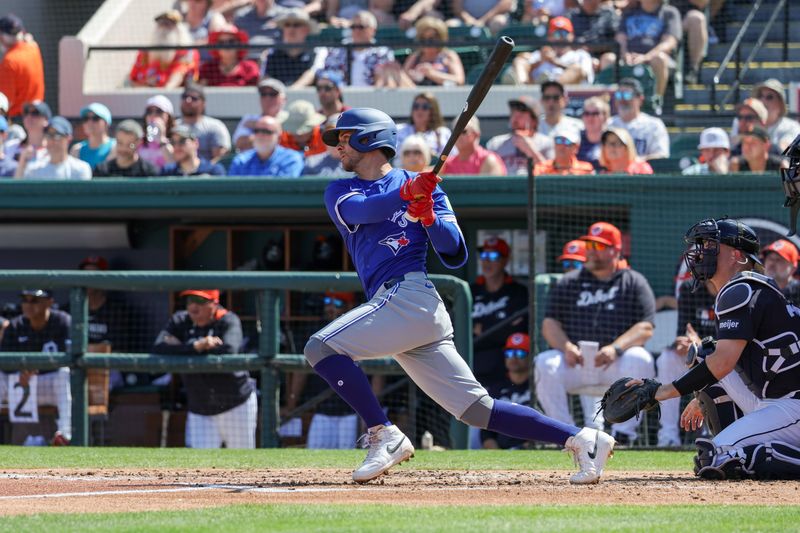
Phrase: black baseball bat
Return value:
(497, 59)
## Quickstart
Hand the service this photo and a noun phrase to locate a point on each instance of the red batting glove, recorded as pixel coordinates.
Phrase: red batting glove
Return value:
(420, 186)
(422, 210)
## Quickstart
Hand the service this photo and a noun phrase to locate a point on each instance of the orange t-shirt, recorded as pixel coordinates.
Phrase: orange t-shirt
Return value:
(575, 168)
(22, 76)
(314, 147)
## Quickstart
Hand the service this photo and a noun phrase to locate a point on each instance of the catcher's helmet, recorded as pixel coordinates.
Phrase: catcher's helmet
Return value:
(791, 182)
(372, 130)
(704, 239)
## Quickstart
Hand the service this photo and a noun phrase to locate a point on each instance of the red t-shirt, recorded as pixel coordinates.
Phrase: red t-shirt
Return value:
(153, 73)
(244, 73)
(22, 76)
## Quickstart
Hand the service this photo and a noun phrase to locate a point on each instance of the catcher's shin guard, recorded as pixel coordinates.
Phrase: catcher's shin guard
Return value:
(772, 460)
(719, 410)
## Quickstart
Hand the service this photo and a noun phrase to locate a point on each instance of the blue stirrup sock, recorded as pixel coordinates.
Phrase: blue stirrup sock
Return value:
(348, 380)
(522, 422)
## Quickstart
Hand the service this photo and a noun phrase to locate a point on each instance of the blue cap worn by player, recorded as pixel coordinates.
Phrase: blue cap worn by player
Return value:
(405, 318)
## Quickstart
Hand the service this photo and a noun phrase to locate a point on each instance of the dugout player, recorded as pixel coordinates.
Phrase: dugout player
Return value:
(758, 336)
(222, 406)
(42, 329)
(404, 316)
(603, 303)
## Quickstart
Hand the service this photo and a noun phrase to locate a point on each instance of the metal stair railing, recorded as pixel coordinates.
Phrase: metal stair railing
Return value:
(736, 49)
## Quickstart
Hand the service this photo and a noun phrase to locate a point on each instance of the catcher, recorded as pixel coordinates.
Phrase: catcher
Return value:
(756, 361)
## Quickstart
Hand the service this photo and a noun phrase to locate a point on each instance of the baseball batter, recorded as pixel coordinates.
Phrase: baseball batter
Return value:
(758, 335)
(404, 316)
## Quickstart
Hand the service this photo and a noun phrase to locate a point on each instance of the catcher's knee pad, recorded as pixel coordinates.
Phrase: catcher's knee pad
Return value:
(713, 464)
(719, 410)
(771, 460)
(479, 413)
(316, 350)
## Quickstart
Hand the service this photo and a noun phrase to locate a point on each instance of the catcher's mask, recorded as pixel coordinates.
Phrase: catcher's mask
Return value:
(791, 183)
(704, 239)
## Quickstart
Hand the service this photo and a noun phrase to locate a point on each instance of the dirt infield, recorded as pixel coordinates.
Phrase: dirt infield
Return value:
(80, 491)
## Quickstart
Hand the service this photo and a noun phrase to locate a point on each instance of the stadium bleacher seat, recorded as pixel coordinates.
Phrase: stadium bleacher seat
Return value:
(474, 72)
(391, 36)
(525, 33)
(329, 35)
(684, 144)
(666, 166)
(469, 33)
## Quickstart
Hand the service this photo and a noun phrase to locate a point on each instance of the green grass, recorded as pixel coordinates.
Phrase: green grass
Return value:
(366, 518)
(12, 457)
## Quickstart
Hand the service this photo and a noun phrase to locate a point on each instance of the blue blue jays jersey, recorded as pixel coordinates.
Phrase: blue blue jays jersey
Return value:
(389, 246)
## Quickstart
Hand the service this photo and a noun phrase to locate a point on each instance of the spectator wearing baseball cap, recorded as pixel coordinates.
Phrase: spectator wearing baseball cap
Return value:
(228, 67)
(7, 165)
(618, 154)
(756, 155)
(169, 69)
(715, 151)
(781, 259)
(221, 406)
(573, 256)
(605, 304)
(60, 165)
(212, 135)
(328, 84)
(554, 102)
(96, 121)
(513, 388)
(127, 162)
(301, 129)
(558, 60)
(648, 132)
(524, 141)
(272, 98)
(185, 151)
(496, 299)
(157, 121)
(21, 68)
(567, 141)
(782, 129)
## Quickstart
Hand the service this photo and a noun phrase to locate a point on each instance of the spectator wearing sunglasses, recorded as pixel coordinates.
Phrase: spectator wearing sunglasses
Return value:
(514, 388)
(329, 92)
(59, 165)
(782, 129)
(96, 121)
(228, 67)
(561, 62)
(222, 406)
(272, 99)
(498, 310)
(267, 157)
(35, 117)
(21, 68)
(524, 142)
(554, 102)
(749, 114)
(185, 147)
(296, 65)
(472, 158)
(648, 132)
(595, 115)
(426, 121)
(618, 154)
(567, 141)
(573, 256)
(214, 138)
(600, 303)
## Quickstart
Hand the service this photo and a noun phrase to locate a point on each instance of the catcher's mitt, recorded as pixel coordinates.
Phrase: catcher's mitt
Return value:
(621, 403)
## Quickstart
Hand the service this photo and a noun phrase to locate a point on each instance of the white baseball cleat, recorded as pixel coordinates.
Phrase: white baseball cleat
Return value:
(590, 449)
(388, 446)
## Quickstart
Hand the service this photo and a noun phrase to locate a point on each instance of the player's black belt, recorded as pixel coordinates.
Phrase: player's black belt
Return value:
(394, 281)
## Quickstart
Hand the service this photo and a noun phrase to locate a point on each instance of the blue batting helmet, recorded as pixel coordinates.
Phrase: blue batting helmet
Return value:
(372, 129)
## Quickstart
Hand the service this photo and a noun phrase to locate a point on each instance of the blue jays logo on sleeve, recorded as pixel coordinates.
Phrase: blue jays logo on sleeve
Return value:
(396, 242)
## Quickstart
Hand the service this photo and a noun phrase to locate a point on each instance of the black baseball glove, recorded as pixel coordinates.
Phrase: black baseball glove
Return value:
(621, 403)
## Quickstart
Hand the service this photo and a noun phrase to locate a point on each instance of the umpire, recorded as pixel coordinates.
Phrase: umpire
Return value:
(758, 336)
